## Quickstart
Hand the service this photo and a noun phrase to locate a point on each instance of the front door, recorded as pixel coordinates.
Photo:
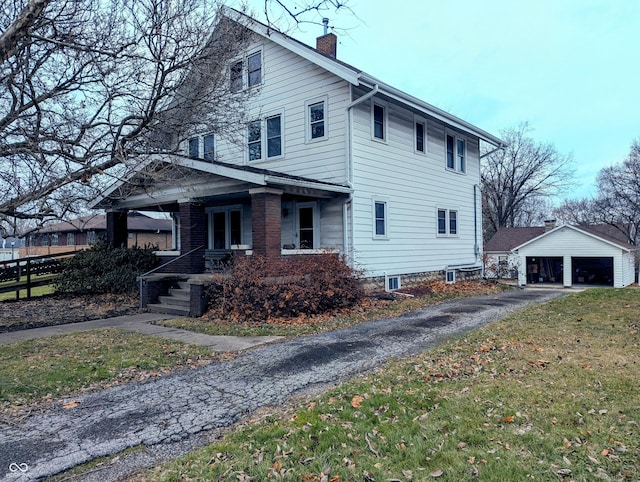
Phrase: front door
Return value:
(306, 220)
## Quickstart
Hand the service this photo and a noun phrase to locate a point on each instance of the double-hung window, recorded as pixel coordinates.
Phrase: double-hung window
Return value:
(274, 136)
(447, 222)
(265, 137)
(379, 122)
(317, 120)
(202, 147)
(194, 148)
(456, 153)
(254, 69)
(421, 137)
(380, 219)
(255, 140)
(246, 72)
(208, 147)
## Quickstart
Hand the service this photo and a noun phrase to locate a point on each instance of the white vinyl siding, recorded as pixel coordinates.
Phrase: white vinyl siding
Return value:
(289, 84)
(419, 187)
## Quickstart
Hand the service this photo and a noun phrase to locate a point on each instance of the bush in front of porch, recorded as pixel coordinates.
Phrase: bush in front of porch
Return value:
(102, 269)
(256, 288)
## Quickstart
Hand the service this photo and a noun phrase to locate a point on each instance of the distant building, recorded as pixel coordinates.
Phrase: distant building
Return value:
(10, 247)
(81, 233)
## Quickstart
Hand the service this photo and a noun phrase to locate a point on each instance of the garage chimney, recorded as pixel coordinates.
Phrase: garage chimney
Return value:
(549, 224)
(327, 44)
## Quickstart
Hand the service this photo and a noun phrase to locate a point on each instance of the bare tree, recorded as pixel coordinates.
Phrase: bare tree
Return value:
(85, 86)
(580, 212)
(618, 202)
(517, 178)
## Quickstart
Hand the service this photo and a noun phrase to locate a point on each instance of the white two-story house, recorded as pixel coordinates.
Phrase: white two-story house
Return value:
(331, 158)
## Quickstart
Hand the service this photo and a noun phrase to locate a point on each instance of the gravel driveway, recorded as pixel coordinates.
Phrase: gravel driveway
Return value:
(171, 415)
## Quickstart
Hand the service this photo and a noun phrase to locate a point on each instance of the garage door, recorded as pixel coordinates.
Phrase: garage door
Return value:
(592, 271)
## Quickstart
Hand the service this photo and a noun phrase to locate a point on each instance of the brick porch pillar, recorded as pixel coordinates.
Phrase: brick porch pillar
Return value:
(266, 222)
(193, 227)
(117, 230)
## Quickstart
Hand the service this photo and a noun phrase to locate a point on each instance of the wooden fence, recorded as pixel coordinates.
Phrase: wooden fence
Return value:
(27, 273)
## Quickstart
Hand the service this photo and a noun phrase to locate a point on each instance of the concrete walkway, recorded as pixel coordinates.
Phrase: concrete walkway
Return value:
(167, 416)
(143, 323)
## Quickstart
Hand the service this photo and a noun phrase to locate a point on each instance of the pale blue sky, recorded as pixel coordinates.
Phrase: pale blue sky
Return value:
(571, 68)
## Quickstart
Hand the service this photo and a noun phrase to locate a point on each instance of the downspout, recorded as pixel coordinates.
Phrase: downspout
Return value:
(350, 233)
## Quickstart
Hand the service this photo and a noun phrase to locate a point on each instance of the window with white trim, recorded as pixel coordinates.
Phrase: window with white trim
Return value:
(225, 227)
(274, 136)
(450, 276)
(316, 119)
(447, 222)
(202, 147)
(269, 143)
(379, 122)
(254, 69)
(380, 219)
(246, 72)
(420, 140)
(456, 153)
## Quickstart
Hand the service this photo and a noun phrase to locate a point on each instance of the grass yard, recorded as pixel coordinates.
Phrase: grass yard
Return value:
(57, 366)
(550, 393)
(35, 292)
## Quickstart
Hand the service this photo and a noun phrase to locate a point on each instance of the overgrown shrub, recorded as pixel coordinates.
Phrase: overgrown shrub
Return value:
(256, 289)
(101, 269)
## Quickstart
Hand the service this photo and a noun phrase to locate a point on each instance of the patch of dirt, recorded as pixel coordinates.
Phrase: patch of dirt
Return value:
(59, 310)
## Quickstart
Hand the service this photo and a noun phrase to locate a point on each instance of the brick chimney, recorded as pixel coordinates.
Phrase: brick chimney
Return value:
(549, 224)
(327, 44)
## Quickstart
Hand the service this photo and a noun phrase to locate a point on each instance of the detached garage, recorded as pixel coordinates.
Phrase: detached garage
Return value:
(575, 256)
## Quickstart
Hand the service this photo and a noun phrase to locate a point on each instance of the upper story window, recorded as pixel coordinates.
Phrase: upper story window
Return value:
(447, 222)
(274, 136)
(272, 143)
(421, 137)
(208, 152)
(316, 120)
(194, 148)
(254, 69)
(246, 72)
(202, 147)
(236, 76)
(379, 122)
(456, 153)
(255, 140)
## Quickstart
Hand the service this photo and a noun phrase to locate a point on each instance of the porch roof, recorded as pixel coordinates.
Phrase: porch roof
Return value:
(194, 179)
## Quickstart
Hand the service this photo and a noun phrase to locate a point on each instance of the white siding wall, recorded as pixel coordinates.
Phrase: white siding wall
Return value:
(288, 82)
(567, 243)
(415, 185)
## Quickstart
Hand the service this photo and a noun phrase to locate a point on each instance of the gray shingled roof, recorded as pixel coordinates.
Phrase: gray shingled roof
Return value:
(135, 222)
(508, 238)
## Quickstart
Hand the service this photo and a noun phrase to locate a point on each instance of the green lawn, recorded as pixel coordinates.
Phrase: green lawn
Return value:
(57, 366)
(550, 393)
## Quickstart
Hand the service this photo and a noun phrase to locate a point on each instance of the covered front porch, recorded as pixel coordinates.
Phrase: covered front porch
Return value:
(221, 210)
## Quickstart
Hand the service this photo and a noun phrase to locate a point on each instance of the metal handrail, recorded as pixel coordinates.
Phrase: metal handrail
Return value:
(162, 266)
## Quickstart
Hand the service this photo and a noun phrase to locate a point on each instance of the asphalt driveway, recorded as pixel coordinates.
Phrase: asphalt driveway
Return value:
(173, 414)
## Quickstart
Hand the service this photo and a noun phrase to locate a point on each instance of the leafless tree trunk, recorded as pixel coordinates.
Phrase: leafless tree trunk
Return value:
(519, 179)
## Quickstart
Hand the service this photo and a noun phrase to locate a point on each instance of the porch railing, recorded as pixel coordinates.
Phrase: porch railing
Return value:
(143, 275)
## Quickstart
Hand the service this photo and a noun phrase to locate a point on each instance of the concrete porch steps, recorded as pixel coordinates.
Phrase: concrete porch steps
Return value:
(176, 302)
